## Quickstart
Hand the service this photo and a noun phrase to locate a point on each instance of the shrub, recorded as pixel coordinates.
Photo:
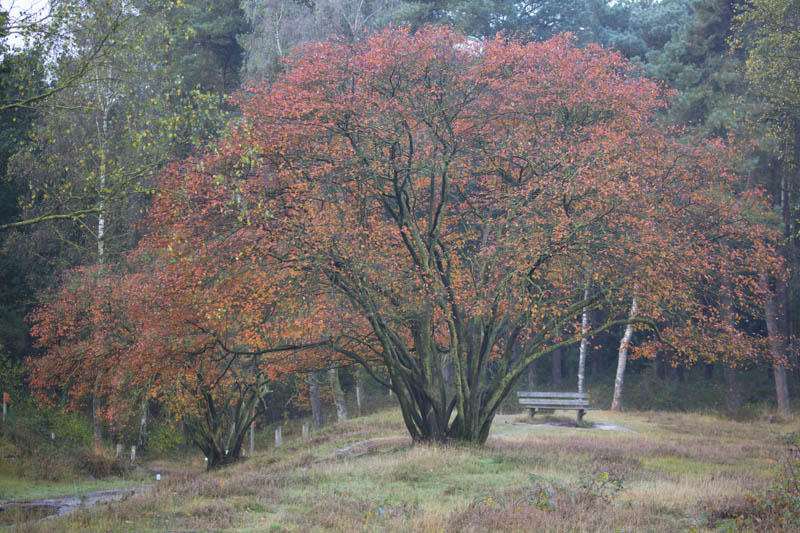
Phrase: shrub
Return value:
(164, 438)
(72, 429)
(102, 463)
(779, 505)
(775, 509)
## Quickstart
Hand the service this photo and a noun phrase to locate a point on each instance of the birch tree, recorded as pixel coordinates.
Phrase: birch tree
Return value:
(622, 359)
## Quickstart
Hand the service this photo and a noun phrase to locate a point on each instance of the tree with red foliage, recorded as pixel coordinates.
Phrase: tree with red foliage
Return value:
(416, 202)
(455, 196)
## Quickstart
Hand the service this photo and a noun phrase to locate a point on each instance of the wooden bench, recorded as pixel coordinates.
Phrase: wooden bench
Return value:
(565, 401)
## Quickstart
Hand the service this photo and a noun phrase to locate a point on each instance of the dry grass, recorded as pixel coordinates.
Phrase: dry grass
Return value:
(678, 472)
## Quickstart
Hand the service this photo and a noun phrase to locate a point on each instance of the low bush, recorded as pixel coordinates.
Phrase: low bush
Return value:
(779, 505)
(163, 439)
(102, 463)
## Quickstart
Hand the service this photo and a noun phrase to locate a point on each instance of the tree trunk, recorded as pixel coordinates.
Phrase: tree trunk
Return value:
(359, 389)
(672, 371)
(338, 395)
(775, 316)
(661, 367)
(105, 103)
(447, 373)
(557, 368)
(531, 371)
(97, 431)
(733, 399)
(316, 404)
(708, 372)
(597, 363)
(622, 360)
(141, 442)
(584, 342)
(782, 389)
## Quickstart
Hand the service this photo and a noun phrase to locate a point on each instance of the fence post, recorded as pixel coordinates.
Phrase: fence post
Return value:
(252, 438)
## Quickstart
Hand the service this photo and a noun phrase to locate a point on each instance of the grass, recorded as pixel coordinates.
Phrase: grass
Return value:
(672, 472)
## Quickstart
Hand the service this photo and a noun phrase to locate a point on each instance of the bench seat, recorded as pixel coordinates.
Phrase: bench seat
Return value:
(576, 401)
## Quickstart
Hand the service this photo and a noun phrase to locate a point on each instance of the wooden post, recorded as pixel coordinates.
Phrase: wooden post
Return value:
(6, 400)
(278, 439)
(305, 430)
(252, 438)
(133, 453)
(359, 387)
(52, 436)
(119, 450)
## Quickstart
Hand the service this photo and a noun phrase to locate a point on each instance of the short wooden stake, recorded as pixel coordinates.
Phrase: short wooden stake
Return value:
(252, 438)
(119, 450)
(278, 439)
(52, 436)
(305, 430)
(133, 453)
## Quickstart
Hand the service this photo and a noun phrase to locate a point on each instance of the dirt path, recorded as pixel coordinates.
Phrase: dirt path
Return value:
(66, 504)
(23, 511)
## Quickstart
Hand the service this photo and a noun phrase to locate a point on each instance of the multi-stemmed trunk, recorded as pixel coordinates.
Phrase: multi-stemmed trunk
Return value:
(482, 377)
(222, 428)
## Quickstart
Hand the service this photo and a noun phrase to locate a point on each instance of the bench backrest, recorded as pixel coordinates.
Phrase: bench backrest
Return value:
(553, 399)
(554, 395)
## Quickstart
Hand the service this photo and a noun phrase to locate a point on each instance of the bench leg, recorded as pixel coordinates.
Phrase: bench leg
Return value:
(580, 417)
(531, 413)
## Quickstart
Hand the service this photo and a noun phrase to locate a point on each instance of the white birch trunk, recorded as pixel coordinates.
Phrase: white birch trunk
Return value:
(622, 360)
(105, 100)
(582, 352)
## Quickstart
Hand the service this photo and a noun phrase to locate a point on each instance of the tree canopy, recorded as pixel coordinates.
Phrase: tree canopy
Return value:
(417, 202)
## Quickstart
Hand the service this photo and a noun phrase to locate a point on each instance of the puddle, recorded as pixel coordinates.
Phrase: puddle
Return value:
(17, 512)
